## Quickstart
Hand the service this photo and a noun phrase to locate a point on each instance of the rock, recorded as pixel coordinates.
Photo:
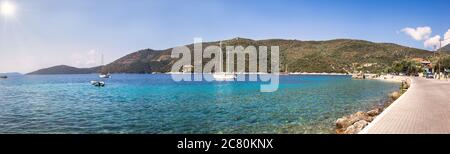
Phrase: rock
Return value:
(361, 124)
(343, 123)
(359, 75)
(370, 119)
(350, 130)
(347, 121)
(359, 116)
(408, 82)
(356, 127)
(395, 95)
(374, 112)
(405, 84)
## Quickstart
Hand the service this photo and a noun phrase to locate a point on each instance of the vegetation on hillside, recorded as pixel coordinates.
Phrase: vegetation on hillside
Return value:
(408, 67)
(341, 55)
(442, 62)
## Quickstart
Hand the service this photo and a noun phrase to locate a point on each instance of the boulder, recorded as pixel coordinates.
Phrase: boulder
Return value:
(359, 116)
(408, 82)
(395, 95)
(343, 123)
(356, 127)
(374, 112)
(405, 84)
(370, 119)
(347, 121)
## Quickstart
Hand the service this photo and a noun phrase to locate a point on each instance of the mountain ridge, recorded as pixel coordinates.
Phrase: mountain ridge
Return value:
(446, 49)
(337, 55)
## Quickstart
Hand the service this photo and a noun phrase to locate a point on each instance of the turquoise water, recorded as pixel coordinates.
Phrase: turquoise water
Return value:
(156, 104)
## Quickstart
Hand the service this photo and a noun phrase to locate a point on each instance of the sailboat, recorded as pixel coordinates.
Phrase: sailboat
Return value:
(103, 75)
(224, 76)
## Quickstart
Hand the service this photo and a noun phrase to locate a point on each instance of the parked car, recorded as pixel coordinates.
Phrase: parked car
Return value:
(429, 75)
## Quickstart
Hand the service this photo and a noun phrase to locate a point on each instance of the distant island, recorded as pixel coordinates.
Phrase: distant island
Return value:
(10, 74)
(333, 56)
(63, 69)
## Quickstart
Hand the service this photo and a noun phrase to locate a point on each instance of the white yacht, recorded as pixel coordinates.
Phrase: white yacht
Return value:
(224, 76)
(105, 75)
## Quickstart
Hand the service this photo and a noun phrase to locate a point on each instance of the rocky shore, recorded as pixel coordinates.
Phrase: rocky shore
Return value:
(354, 123)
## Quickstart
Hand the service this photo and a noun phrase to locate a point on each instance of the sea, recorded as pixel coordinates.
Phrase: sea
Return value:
(156, 104)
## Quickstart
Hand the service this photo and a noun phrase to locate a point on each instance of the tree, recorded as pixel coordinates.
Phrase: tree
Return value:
(407, 67)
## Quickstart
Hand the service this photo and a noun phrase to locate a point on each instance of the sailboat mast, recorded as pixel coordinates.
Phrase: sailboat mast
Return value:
(102, 70)
(102, 60)
(221, 58)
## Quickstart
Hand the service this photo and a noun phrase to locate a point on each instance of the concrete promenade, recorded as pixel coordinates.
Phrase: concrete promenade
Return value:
(423, 109)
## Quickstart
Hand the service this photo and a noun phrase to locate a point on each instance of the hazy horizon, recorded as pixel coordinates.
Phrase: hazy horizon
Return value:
(45, 33)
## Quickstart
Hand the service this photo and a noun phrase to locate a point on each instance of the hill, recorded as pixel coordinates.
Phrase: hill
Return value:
(63, 69)
(340, 55)
(10, 74)
(446, 49)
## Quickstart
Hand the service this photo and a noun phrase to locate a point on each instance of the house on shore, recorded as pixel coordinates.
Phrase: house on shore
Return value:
(188, 68)
(426, 64)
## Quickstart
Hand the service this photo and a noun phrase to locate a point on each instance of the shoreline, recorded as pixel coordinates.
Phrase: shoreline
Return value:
(357, 122)
(392, 78)
(364, 130)
(281, 73)
(306, 73)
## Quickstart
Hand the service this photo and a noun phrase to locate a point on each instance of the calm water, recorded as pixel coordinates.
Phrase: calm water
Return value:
(156, 104)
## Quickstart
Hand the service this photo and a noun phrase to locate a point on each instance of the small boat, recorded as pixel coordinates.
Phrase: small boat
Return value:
(98, 83)
(105, 75)
(3, 77)
(224, 76)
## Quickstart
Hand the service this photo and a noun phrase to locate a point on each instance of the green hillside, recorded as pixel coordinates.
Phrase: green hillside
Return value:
(341, 55)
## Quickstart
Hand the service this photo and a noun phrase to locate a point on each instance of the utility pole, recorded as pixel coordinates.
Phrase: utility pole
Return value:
(439, 60)
(433, 68)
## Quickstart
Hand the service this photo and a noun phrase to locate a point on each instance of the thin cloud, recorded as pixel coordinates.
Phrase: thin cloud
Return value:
(432, 42)
(87, 59)
(419, 33)
(446, 38)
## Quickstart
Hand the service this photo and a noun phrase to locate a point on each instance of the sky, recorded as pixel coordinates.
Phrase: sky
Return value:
(44, 33)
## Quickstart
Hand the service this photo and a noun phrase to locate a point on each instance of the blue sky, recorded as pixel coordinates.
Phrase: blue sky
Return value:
(44, 33)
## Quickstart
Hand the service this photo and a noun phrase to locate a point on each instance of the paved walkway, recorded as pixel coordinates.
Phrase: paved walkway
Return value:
(424, 109)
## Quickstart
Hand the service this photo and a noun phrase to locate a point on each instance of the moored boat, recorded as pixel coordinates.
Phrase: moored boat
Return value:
(98, 83)
(224, 76)
(105, 75)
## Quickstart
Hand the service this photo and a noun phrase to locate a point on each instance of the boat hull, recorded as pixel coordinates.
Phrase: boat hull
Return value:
(224, 77)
